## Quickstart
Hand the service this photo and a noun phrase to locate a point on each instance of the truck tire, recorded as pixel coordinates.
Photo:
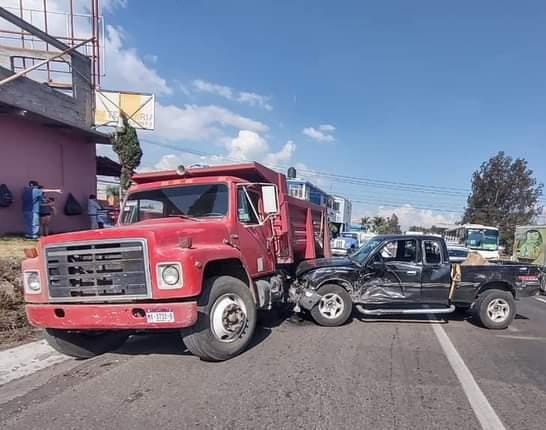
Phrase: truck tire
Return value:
(334, 308)
(226, 320)
(84, 344)
(495, 309)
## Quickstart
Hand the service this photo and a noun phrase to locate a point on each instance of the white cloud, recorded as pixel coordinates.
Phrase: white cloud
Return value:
(250, 146)
(409, 216)
(112, 5)
(125, 70)
(323, 133)
(192, 122)
(249, 98)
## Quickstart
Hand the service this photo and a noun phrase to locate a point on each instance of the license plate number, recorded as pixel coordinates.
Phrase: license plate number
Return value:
(160, 317)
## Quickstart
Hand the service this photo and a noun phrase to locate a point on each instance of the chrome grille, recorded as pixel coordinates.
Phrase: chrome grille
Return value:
(101, 270)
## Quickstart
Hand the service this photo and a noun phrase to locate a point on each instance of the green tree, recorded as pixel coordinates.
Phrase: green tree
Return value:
(393, 225)
(127, 147)
(504, 194)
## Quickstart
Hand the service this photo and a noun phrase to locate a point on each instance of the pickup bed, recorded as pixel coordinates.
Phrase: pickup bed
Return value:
(408, 274)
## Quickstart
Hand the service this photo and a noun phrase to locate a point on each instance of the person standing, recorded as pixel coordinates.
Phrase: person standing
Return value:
(47, 210)
(95, 210)
(32, 198)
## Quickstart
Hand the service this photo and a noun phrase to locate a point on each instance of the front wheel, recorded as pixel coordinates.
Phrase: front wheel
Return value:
(84, 344)
(495, 309)
(334, 307)
(226, 321)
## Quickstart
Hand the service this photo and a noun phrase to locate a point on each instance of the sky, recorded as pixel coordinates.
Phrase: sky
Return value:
(382, 93)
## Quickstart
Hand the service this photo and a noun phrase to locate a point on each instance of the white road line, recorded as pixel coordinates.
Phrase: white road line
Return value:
(540, 299)
(486, 415)
(27, 359)
(507, 336)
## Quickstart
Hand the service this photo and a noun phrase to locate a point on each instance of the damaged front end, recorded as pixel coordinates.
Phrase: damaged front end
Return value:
(302, 296)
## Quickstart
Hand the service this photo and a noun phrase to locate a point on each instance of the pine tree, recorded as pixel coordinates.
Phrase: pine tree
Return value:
(127, 146)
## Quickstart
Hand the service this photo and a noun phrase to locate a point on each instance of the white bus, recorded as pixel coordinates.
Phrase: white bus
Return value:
(479, 238)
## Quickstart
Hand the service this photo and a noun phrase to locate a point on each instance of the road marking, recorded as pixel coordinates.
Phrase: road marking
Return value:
(27, 359)
(486, 415)
(540, 299)
(507, 336)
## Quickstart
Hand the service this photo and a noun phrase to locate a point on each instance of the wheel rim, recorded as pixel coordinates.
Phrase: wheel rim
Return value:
(331, 305)
(498, 310)
(228, 318)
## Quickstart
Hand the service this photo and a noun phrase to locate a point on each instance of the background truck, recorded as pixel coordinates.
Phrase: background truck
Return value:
(411, 274)
(197, 250)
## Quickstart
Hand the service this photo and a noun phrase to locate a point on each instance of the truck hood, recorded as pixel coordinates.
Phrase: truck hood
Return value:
(325, 263)
(160, 232)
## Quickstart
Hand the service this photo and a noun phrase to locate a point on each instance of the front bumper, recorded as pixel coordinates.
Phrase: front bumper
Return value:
(125, 316)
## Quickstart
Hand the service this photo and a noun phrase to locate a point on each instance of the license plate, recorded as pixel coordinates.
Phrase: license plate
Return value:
(160, 317)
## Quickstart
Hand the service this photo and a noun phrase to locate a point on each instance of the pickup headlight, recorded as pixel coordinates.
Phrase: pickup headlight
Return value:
(31, 281)
(169, 276)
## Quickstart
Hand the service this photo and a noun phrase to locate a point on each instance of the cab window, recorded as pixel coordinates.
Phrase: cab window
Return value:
(246, 209)
(404, 250)
(432, 251)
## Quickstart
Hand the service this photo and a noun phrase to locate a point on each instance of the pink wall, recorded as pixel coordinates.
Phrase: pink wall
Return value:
(53, 158)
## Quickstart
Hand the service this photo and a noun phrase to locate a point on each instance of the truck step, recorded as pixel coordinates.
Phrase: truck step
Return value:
(365, 311)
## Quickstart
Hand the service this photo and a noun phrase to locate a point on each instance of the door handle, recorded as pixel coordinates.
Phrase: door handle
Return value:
(411, 272)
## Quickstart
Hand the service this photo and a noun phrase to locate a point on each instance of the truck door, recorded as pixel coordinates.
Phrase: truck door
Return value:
(397, 276)
(255, 237)
(436, 277)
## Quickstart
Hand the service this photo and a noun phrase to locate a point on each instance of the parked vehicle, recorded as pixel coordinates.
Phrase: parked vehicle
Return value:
(346, 243)
(197, 250)
(408, 274)
(478, 238)
(457, 254)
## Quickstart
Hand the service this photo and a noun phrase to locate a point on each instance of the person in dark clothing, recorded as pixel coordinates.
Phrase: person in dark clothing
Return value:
(47, 210)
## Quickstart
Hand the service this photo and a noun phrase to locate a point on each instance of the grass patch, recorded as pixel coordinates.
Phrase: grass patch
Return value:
(14, 326)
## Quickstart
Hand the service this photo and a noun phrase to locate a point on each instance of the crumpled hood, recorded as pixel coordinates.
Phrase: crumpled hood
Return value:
(322, 263)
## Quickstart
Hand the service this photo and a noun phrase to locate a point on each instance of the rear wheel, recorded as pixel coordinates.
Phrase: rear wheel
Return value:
(495, 309)
(84, 344)
(226, 321)
(334, 307)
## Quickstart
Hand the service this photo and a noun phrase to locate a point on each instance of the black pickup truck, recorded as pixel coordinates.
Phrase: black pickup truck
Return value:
(408, 274)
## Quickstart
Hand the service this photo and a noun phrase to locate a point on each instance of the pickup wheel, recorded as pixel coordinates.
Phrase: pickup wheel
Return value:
(226, 321)
(495, 309)
(334, 308)
(84, 344)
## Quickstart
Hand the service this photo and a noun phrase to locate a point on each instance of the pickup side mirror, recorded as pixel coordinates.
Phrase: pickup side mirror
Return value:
(377, 265)
(269, 198)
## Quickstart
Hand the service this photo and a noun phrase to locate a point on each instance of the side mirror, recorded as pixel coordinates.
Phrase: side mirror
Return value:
(269, 198)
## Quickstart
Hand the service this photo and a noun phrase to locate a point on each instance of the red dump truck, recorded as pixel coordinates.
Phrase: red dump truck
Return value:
(196, 250)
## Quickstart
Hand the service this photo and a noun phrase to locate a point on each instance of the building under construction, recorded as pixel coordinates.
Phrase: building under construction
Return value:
(49, 69)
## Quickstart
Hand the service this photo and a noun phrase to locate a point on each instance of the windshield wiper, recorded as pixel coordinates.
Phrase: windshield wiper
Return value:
(184, 216)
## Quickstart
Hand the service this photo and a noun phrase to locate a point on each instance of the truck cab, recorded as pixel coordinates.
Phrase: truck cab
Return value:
(196, 250)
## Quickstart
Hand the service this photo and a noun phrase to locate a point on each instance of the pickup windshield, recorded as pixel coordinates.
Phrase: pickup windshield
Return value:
(365, 250)
(192, 201)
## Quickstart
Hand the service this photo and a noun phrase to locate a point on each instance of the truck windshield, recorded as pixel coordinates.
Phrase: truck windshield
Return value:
(192, 201)
(363, 252)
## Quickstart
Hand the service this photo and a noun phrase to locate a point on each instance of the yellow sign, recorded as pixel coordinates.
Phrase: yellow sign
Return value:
(138, 108)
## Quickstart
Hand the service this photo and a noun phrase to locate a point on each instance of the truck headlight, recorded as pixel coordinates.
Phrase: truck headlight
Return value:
(31, 281)
(169, 276)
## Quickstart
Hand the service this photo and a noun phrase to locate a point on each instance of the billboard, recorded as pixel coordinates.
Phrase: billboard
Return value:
(138, 108)
(530, 244)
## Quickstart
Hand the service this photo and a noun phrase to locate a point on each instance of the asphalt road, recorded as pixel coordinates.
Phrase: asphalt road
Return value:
(370, 374)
